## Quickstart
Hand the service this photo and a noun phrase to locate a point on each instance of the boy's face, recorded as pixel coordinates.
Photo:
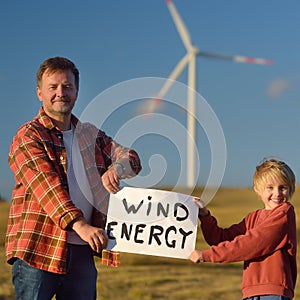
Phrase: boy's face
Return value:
(274, 193)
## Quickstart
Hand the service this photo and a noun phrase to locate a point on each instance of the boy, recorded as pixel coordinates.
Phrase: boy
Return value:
(265, 239)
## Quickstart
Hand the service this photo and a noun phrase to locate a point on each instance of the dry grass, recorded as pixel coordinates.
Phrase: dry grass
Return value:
(144, 277)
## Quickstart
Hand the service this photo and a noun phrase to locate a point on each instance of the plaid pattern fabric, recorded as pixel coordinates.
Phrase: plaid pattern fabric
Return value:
(110, 258)
(41, 209)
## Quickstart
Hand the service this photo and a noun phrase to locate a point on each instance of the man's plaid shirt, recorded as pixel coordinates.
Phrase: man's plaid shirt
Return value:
(41, 209)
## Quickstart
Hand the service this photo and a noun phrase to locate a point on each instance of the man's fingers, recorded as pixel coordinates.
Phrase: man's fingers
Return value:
(103, 238)
(99, 242)
(111, 181)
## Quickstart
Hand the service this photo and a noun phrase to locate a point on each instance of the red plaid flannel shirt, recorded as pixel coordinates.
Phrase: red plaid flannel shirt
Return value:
(41, 208)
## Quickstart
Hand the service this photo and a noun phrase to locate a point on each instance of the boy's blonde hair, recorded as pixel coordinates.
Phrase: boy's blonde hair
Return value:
(272, 169)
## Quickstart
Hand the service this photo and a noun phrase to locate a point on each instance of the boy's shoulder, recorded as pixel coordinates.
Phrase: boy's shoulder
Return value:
(284, 209)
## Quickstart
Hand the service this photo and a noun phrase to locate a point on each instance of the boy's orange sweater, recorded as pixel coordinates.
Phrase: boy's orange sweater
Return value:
(266, 241)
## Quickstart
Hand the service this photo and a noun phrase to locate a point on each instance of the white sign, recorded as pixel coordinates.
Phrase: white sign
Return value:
(152, 222)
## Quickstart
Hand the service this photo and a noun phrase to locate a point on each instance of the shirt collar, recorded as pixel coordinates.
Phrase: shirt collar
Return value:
(47, 122)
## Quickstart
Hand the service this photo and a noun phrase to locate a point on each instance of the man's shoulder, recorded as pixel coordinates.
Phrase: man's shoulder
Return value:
(39, 121)
(34, 129)
(24, 128)
(88, 128)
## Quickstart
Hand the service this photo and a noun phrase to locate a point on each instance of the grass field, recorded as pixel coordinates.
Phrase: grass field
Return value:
(142, 277)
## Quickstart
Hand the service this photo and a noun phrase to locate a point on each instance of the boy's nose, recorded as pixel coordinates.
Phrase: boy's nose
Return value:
(278, 192)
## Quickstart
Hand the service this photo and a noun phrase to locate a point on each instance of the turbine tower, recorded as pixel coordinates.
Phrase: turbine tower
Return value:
(190, 60)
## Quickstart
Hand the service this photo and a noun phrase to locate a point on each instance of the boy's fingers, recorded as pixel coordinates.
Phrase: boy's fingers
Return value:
(194, 256)
(199, 202)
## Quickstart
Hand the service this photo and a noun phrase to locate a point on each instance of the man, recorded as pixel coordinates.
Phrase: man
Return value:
(64, 170)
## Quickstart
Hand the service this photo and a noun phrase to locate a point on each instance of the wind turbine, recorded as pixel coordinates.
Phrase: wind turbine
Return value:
(190, 60)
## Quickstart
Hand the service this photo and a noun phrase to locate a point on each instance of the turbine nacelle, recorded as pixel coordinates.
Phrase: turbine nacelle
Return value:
(194, 50)
(190, 60)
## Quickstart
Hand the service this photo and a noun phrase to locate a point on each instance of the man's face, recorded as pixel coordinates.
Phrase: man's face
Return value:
(58, 93)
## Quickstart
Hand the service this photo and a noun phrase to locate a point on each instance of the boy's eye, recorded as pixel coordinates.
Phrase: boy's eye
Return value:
(283, 188)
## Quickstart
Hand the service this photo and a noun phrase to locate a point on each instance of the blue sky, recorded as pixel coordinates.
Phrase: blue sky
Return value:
(114, 41)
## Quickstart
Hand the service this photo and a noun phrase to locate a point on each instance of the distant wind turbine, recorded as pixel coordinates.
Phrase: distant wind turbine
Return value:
(190, 60)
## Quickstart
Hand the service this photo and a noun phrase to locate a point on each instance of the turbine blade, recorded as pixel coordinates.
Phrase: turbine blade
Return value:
(237, 58)
(153, 104)
(173, 76)
(252, 60)
(182, 30)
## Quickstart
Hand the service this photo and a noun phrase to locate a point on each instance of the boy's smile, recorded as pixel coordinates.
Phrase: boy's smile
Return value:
(274, 193)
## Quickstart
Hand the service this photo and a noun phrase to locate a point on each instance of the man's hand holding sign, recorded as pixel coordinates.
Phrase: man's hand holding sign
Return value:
(152, 222)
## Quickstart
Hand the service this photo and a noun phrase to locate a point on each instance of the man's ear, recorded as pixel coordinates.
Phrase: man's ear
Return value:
(38, 93)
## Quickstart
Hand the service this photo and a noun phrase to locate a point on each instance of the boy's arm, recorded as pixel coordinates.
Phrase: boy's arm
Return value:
(212, 233)
(267, 237)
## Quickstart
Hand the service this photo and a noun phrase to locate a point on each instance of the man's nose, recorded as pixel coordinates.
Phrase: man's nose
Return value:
(60, 91)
